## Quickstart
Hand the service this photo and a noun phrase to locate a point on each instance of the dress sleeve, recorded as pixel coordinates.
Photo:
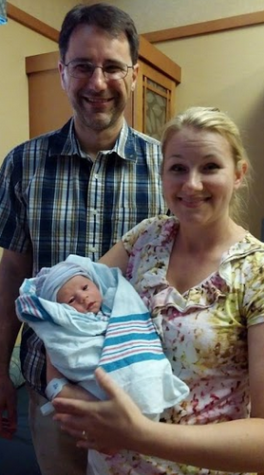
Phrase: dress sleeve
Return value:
(254, 289)
(147, 226)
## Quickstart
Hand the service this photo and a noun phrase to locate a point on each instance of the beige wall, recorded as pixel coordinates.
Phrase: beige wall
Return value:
(152, 15)
(226, 70)
(18, 42)
(51, 12)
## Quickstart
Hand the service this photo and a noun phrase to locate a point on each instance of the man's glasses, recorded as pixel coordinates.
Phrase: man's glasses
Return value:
(84, 70)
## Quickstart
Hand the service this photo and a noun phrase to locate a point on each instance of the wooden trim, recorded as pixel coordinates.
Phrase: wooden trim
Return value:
(31, 22)
(153, 56)
(42, 62)
(205, 28)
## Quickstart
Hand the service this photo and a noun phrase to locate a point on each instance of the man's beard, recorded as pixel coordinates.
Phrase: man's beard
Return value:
(98, 121)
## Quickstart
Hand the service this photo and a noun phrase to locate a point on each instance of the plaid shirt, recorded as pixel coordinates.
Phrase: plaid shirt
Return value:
(55, 201)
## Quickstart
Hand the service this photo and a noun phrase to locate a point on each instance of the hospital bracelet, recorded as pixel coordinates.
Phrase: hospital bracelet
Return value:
(54, 387)
(47, 409)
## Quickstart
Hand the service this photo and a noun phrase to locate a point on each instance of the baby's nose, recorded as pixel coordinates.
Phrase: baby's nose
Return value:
(81, 296)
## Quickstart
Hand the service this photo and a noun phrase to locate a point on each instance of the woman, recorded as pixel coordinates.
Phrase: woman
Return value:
(203, 274)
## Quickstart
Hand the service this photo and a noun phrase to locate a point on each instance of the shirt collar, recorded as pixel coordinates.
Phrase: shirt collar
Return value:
(65, 142)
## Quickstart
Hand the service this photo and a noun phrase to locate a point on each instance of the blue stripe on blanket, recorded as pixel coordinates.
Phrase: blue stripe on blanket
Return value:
(129, 360)
(133, 335)
(130, 339)
(119, 346)
(30, 308)
(138, 317)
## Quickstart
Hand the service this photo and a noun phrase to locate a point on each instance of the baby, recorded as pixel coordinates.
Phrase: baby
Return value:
(88, 314)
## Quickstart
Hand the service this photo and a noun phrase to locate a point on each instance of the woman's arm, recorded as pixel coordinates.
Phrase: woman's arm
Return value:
(228, 446)
(116, 257)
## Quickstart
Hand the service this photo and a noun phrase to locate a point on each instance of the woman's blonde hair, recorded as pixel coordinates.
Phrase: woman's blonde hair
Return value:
(213, 120)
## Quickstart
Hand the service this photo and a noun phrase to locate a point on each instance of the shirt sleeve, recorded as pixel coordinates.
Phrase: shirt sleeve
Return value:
(14, 234)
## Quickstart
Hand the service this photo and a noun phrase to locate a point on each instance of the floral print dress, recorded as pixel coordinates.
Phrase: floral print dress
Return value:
(204, 334)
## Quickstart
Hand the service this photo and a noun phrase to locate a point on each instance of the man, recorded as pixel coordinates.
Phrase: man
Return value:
(73, 191)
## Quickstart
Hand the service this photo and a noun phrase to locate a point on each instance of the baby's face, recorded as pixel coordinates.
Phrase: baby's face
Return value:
(81, 293)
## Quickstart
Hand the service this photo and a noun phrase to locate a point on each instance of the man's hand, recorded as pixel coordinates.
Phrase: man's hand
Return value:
(14, 268)
(8, 411)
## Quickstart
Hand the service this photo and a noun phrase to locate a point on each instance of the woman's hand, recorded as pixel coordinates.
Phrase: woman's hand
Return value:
(109, 426)
(106, 426)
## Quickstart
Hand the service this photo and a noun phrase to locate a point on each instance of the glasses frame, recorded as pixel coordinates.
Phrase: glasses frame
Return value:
(94, 67)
